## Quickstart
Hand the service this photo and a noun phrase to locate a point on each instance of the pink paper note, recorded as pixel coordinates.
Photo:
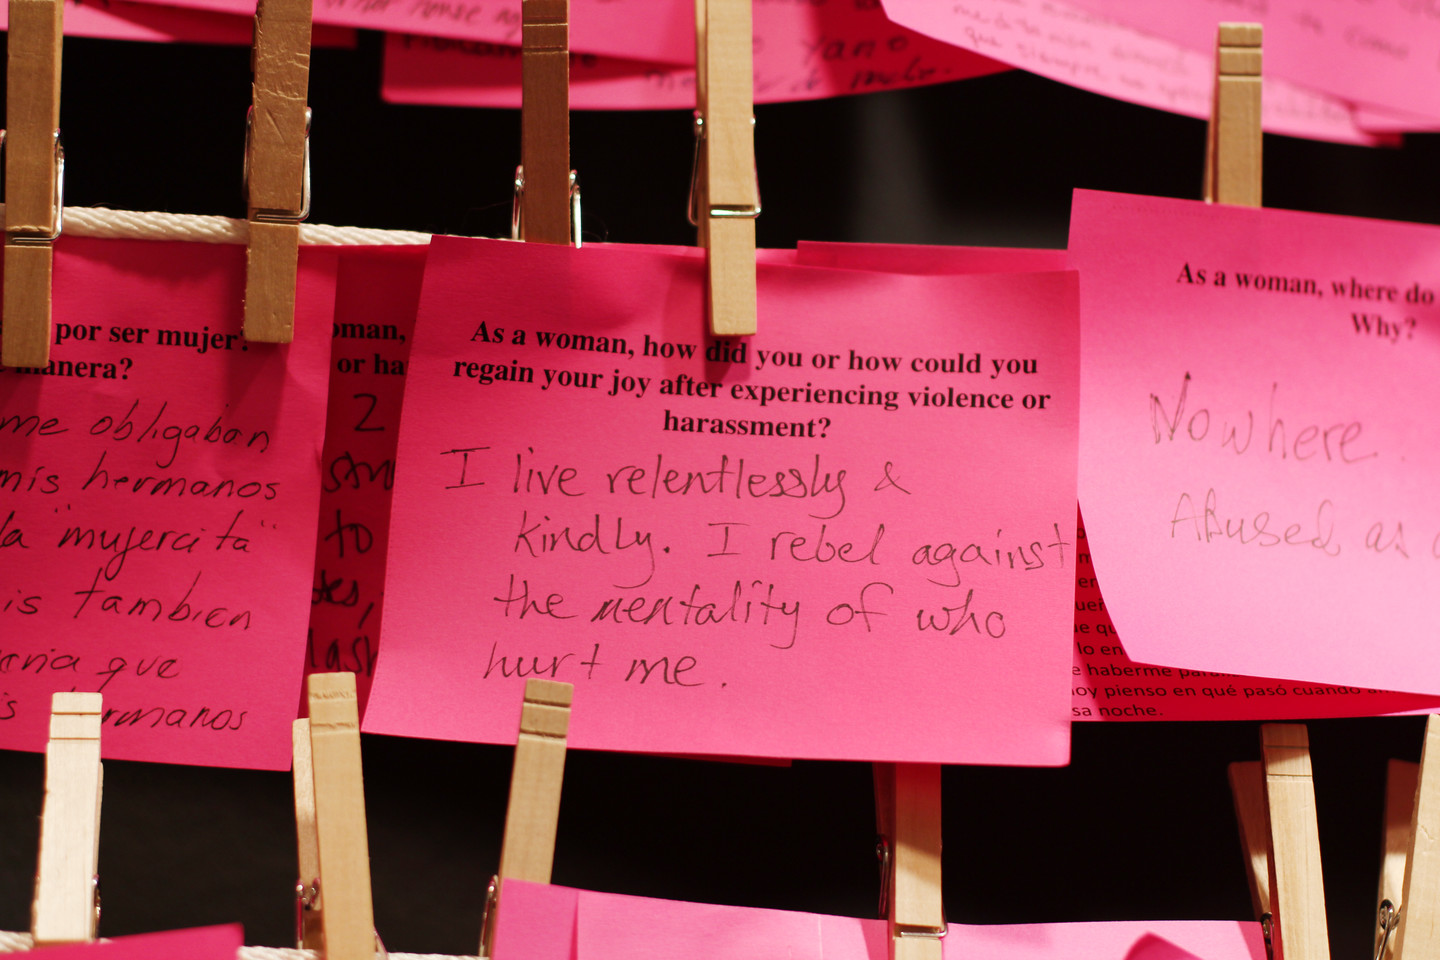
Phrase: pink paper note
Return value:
(1055, 39)
(1256, 481)
(158, 530)
(544, 922)
(1107, 684)
(121, 20)
(197, 943)
(1358, 50)
(377, 291)
(802, 52)
(811, 593)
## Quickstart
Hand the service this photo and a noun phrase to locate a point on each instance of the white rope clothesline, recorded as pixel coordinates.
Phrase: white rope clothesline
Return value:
(132, 225)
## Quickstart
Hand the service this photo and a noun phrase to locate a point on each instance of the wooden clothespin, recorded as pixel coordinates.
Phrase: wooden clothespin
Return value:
(547, 199)
(724, 191)
(1247, 788)
(1297, 886)
(1401, 780)
(34, 179)
(277, 167)
(347, 915)
(533, 814)
(309, 933)
(66, 907)
(1233, 151)
(1418, 934)
(907, 817)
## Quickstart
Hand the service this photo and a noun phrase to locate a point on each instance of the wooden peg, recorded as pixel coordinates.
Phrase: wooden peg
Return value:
(32, 179)
(727, 194)
(277, 167)
(1296, 884)
(907, 808)
(347, 917)
(533, 814)
(1247, 788)
(64, 910)
(1418, 936)
(309, 933)
(545, 121)
(1401, 780)
(1233, 140)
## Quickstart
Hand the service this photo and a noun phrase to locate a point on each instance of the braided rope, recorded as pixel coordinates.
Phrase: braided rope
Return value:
(131, 225)
(20, 942)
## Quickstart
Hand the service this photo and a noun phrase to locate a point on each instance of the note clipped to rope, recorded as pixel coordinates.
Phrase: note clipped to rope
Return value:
(157, 526)
(544, 922)
(1258, 452)
(377, 291)
(850, 536)
(197, 943)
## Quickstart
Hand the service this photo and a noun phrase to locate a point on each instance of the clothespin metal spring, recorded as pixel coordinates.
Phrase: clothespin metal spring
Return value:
(279, 216)
(1387, 920)
(517, 207)
(745, 211)
(26, 238)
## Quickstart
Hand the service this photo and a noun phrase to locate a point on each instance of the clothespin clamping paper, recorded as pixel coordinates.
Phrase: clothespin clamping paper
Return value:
(533, 814)
(724, 189)
(1418, 934)
(907, 817)
(67, 904)
(1296, 884)
(1233, 142)
(309, 932)
(277, 167)
(347, 915)
(547, 194)
(34, 179)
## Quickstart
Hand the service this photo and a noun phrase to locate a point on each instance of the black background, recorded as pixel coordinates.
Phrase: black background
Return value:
(1138, 827)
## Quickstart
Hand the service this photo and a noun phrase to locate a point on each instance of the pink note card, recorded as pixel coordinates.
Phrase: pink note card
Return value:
(198, 943)
(122, 20)
(927, 260)
(796, 544)
(1257, 457)
(802, 52)
(377, 291)
(157, 529)
(1365, 52)
(1057, 39)
(543, 922)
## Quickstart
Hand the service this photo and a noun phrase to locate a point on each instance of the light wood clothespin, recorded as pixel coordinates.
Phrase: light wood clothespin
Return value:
(66, 907)
(1401, 780)
(277, 167)
(1233, 139)
(34, 179)
(1418, 934)
(547, 198)
(309, 933)
(1247, 788)
(907, 817)
(724, 190)
(1297, 886)
(347, 915)
(533, 814)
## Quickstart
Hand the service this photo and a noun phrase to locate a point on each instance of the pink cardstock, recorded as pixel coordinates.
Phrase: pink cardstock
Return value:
(122, 20)
(377, 291)
(1256, 480)
(1383, 54)
(1056, 39)
(802, 52)
(198, 943)
(1107, 684)
(795, 544)
(543, 922)
(157, 530)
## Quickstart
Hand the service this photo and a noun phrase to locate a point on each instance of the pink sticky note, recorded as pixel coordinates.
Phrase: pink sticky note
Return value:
(377, 291)
(158, 529)
(544, 922)
(197, 943)
(802, 52)
(839, 550)
(927, 260)
(1056, 39)
(1375, 53)
(122, 20)
(1257, 486)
